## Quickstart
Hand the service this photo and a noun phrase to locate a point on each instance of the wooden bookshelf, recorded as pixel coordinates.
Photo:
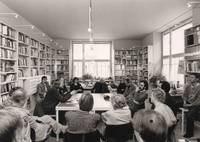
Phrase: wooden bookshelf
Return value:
(192, 50)
(131, 63)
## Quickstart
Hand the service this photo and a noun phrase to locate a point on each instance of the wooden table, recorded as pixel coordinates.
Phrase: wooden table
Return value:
(72, 104)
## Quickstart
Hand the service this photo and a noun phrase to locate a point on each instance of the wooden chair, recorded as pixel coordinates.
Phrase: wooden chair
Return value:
(119, 133)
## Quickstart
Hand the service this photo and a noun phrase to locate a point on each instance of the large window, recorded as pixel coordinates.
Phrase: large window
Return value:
(93, 59)
(173, 52)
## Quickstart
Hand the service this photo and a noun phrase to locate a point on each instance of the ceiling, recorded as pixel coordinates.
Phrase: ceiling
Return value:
(112, 19)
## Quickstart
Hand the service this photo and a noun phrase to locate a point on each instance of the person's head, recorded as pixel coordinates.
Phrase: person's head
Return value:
(101, 80)
(194, 78)
(153, 82)
(127, 81)
(56, 83)
(150, 125)
(10, 126)
(143, 85)
(86, 102)
(118, 101)
(44, 79)
(165, 86)
(18, 96)
(75, 80)
(158, 95)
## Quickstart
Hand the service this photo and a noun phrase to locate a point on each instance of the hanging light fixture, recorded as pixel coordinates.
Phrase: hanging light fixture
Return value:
(90, 24)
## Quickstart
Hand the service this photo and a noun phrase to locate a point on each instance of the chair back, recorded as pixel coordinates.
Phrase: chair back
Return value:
(88, 137)
(119, 133)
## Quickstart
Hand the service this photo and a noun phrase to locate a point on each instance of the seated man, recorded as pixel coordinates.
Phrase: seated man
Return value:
(191, 96)
(100, 87)
(53, 97)
(149, 126)
(41, 125)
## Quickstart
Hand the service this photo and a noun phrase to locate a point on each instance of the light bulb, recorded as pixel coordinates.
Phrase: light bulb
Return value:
(89, 30)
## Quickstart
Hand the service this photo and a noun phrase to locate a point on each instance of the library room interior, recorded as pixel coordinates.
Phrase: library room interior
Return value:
(99, 70)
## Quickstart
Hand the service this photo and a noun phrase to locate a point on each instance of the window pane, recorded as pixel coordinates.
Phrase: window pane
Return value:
(174, 71)
(165, 69)
(77, 69)
(178, 41)
(97, 51)
(166, 45)
(98, 69)
(78, 51)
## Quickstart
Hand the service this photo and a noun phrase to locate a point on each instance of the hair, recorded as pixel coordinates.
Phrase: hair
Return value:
(165, 86)
(150, 125)
(86, 102)
(153, 81)
(118, 101)
(159, 94)
(196, 75)
(9, 123)
(44, 77)
(75, 78)
(145, 84)
(17, 97)
(127, 80)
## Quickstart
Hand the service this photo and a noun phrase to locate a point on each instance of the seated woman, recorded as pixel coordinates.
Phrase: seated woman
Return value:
(82, 121)
(10, 126)
(41, 125)
(121, 87)
(76, 86)
(149, 126)
(158, 99)
(118, 120)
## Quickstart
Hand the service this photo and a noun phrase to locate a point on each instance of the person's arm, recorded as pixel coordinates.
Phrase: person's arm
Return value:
(39, 89)
(61, 98)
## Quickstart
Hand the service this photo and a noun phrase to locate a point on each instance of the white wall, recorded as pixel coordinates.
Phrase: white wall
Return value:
(196, 15)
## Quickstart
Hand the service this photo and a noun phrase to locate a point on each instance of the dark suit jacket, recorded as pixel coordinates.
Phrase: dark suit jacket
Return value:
(100, 88)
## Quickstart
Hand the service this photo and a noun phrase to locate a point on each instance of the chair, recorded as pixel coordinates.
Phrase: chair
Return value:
(119, 133)
(88, 137)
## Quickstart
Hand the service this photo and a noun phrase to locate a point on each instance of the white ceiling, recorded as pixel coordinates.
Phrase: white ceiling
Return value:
(112, 19)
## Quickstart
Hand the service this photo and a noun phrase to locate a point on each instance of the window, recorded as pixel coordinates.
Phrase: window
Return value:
(173, 52)
(89, 59)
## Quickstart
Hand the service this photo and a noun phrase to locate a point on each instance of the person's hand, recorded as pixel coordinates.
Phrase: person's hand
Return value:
(187, 105)
(73, 92)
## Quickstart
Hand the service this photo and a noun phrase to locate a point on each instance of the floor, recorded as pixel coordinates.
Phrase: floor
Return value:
(177, 132)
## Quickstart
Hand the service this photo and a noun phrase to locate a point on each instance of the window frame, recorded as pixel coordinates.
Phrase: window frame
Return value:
(83, 60)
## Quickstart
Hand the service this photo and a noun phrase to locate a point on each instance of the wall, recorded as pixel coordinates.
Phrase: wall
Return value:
(19, 24)
(147, 40)
(126, 44)
(196, 15)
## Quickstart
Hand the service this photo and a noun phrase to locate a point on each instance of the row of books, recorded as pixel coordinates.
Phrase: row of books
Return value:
(126, 62)
(126, 52)
(42, 47)
(63, 62)
(193, 66)
(42, 62)
(5, 30)
(34, 72)
(7, 42)
(34, 43)
(23, 38)
(62, 68)
(7, 87)
(42, 54)
(34, 62)
(8, 77)
(22, 61)
(23, 50)
(20, 73)
(7, 66)
(8, 54)
(34, 52)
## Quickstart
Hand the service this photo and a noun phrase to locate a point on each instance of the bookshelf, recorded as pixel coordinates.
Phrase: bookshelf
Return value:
(62, 63)
(8, 60)
(22, 58)
(131, 63)
(192, 49)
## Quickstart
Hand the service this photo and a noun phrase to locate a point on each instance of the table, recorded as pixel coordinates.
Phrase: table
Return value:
(72, 104)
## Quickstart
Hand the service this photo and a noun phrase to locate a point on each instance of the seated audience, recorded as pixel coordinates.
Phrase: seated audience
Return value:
(158, 99)
(130, 88)
(121, 87)
(11, 126)
(111, 83)
(76, 86)
(191, 96)
(149, 126)
(100, 87)
(42, 88)
(41, 125)
(82, 121)
(118, 120)
(137, 100)
(53, 97)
